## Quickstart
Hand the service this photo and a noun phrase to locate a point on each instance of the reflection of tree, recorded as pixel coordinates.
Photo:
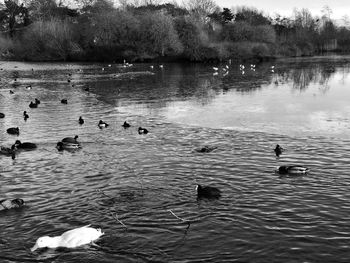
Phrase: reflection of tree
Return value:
(304, 74)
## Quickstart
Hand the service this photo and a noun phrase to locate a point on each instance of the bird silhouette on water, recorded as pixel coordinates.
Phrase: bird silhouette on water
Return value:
(25, 115)
(81, 120)
(278, 150)
(208, 192)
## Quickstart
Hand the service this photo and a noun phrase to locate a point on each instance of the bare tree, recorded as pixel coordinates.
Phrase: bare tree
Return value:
(201, 8)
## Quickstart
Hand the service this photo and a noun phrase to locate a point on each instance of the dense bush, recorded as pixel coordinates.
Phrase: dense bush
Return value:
(97, 30)
(49, 40)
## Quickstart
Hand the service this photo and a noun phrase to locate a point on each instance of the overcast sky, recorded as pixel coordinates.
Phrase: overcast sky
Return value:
(283, 7)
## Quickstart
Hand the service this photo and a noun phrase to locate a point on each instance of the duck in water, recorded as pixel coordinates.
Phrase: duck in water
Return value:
(69, 239)
(142, 130)
(205, 149)
(81, 120)
(25, 115)
(278, 150)
(102, 124)
(208, 192)
(292, 170)
(126, 125)
(33, 105)
(9, 204)
(25, 145)
(68, 143)
(13, 131)
(9, 151)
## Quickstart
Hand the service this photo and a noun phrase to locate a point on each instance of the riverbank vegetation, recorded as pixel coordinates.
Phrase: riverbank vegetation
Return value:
(98, 30)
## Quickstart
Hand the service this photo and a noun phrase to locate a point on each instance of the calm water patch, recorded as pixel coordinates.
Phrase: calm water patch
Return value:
(261, 217)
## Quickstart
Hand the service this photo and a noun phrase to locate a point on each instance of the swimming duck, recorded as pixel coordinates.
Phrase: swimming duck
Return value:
(208, 192)
(9, 151)
(278, 150)
(25, 115)
(33, 105)
(69, 239)
(9, 204)
(25, 145)
(70, 140)
(126, 125)
(2, 115)
(205, 149)
(81, 120)
(11, 92)
(29, 87)
(68, 143)
(292, 170)
(13, 131)
(102, 124)
(64, 101)
(67, 146)
(142, 130)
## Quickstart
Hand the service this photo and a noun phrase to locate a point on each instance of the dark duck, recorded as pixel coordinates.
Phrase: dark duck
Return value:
(292, 170)
(13, 131)
(142, 130)
(205, 149)
(81, 120)
(208, 192)
(33, 105)
(25, 115)
(25, 145)
(278, 150)
(68, 143)
(126, 125)
(9, 151)
(102, 124)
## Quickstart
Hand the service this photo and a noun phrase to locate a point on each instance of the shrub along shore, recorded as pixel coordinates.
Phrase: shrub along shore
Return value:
(200, 31)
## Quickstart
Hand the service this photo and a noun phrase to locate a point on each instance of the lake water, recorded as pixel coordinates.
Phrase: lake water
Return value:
(301, 104)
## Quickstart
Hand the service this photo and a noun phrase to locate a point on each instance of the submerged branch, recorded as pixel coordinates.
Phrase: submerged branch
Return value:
(103, 193)
(115, 216)
(183, 220)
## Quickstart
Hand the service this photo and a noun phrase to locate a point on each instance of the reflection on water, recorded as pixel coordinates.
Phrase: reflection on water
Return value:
(261, 217)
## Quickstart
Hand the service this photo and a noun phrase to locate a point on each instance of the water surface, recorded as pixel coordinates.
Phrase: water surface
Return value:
(262, 217)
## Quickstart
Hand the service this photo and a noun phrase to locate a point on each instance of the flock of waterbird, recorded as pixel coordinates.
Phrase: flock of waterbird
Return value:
(242, 68)
(86, 234)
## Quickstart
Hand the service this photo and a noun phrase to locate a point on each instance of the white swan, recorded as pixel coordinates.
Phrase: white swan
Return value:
(69, 239)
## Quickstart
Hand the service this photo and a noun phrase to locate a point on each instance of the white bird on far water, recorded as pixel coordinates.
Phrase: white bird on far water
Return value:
(69, 239)
(215, 68)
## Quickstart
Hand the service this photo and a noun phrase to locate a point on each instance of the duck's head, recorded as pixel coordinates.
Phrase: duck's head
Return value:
(44, 241)
(76, 137)
(17, 143)
(198, 188)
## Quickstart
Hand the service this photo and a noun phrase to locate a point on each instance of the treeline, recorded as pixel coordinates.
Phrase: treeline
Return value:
(97, 30)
